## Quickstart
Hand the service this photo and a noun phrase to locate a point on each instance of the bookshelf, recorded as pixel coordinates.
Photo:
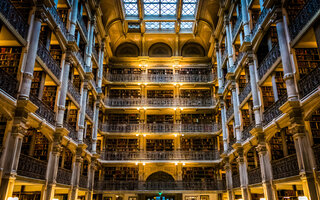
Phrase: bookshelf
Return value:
(160, 71)
(195, 93)
(3, 123)
(159, 145)
(49, 96)
(245, 117)
(315, 126)
(307, 59)
(160, 119)
(281, 86)
(73, 116)
(252, 159)
(276, 144)
(198, 173)
(63, 13)
(85, 167)
(123, 118)
(27, 141)
(10, 59)
(197, 118)
(67, 159)
(125, 71)
(242, 82)
(123, 145)
(201, 71)
(267, 95)
(293, 8)
(121, 173)
(160, 93)
(56, 53)
(116, 93)
(36, 82)
(77, 82)
(289, 194)
(198, 143)
(41, 145)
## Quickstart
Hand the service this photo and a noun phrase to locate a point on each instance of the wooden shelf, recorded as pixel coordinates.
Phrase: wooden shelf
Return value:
(160, 145)
(198, 143)
(121, 173)
(121, 145)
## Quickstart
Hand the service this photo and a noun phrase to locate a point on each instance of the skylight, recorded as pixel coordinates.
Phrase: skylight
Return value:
(161, 15)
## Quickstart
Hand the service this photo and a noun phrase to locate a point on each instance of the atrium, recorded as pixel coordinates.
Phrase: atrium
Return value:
(159, 99)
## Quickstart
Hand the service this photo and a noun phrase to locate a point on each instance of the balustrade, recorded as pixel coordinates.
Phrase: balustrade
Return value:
(224, 55)
(237, 26)
(43, 110)
(245, 92)
(311, 8)
(285, 167)
(123, 102)
(8, 83)
(268, 61)
(64, 176)
(83, 181)
(238, 60)
(74, 92)
(310, 82)
(89, 111)
(9, 12)
(88, 142)
(160, 128)
(236, 181)
(246, 132)
(160, 78)
(159, 186)
(161, 102)
(54, 13)
(31, 167)
(82, 25)
(73, 134)
(192, 128)
(260, 20)
(254, 176)
(273, 111)
(46, 57)
(229, 112)
(121, 128)
(79, 56)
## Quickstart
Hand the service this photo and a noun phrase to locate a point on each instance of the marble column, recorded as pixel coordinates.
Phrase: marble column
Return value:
(230, 194)
(224, 130)
(236, 112)
(73, 192)
(245, 20)
(100, 73)
(91, 178)
(243, 172)
(74, 16)
(219, 69)
(83, 111)
(95, 127)
(90, 45)
(229, 42)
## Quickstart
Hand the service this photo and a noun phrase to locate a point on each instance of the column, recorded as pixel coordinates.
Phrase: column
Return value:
(63, 90)
(243, 175)
(73, 192)
(236, 111)
(227, 168)
(274, 87)
(100, 73)
(224, 130)
(83, 111)
(91, 178)
(269, 189)
(229, 42)
(245, 20)
(95, 126)
(89, 46)
(52, 167)
(179, 171)
(74, 15)
(219, 69)
(285, 57)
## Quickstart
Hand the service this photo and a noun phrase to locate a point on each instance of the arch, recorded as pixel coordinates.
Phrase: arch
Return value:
(127, 50)
(192, 50)
(160, 176)
(160, 50)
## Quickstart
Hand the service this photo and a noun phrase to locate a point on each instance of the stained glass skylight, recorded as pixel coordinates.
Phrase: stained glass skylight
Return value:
(161, 15)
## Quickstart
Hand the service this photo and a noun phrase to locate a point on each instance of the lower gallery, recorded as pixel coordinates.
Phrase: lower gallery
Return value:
(159, 99)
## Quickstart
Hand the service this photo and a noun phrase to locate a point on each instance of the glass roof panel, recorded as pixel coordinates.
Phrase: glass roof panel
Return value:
(131, 8)
(186, 25)
(168, 25)
(189, 8)
(152, 25)
(151, 9)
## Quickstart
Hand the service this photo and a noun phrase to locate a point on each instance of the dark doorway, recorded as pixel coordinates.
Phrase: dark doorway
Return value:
(160, 177)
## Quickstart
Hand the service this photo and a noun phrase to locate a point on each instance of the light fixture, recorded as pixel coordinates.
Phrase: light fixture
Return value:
(145, 108)
(175, 84)
(182, 135)
(145, 83)
(302, 198)
(143, 163)
(137, 163)
(262, 198)
(175, 135)
(183, 164)
(144, 135)
(55, 199)
(13, 198)
(138, 108)
(176, 163)
(137, 135)
(139, 83)
(174, 108)
(181, 108)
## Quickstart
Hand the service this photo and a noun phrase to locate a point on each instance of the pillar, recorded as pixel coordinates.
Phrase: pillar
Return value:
(274, 87)
(243, 175)
(224, 130)
(89, 46)
(219, 69)
(91, 178)
(74, 16)
(236, 112)
(229, 42)
(230, 194)
(83, 111)
(245, 20)
(100, 73)
(95, 126)
(73, 192)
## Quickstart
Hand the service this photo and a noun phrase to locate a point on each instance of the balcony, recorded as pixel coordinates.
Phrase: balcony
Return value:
(268, 61)
(246, 132)
(273, 112)
(82, 26)
(160, 102)
(224, 55)
(160, 128)
(43, 111)
(309, 83)
(254, 176)
(89, 111)
(161, 155)
(83, 181)
(48, 60)
(95, 53)
(80, 60)
(73, 134)
(64, 176)
(257, 25)
(245, 92)
(304, 17)
(285, 167)
(237, 26)
(9, 13)
(59, 23)
(8, 83)
(238, 60)
(236, 181)
(160, 186)
(229, 112)
(74, 92)
(31, 167)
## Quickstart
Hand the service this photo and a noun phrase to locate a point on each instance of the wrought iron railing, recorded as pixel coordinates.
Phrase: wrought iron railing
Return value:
(31, 167)
(316, 151)
(160, 186)
(254, 176)
(310, 82)
(123, 102)
(224, 55)
(74, 92)
(8, 83)
(160, 102)
(273, 111)
(285, 167)
(121, 128)
(43, 110)
(268, 61)
(238, 59)
(82, 25)
(230, 111)
(237, 26)
(161, 155)
(88, 142)
(80, 59)
(195, 128)
(260, 20)
(54, 13)
(95, 53)
(12, 15)
(83, 181)
(236, 181)
(89, 111)
(245, 92)
(46, 57)
(64, 176)
(72, 131)
(159, 127)
(304, 16)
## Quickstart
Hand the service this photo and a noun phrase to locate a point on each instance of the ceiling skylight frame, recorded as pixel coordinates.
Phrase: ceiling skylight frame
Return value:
(131, 8)
(157, 9)
(160, 26)
(189, 9)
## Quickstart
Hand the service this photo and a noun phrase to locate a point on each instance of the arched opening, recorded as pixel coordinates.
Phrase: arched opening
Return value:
(160, 177)
(160, 50)
(192, 50)
(127, 50)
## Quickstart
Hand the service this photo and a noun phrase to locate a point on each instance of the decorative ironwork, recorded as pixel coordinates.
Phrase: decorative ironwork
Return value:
(273, 111)
(89, 111)
(224, 55)
(193, 128)
(246, 132)
(12, 15)
(304, 16)
(46, 57)
(80, 59)
(260, 20)
(82, 25)
(121, 128)
(74, 92)
(43, 111)
(72, 131)
(160, 102)
(193, 78)
(159, 78)
(245, 92)
(189, 7)
(83, 181)
(236, 181)
(254, 176)
(310, 82)
(159, 186)
(88, 142)
(95, 53)
(64, 176)
(159, 128)
(31, 167)
(238, 59)
(229, 111)
(285, 167)
(8, 83)
(237, 25)
(121, 102)
(54, 13)
(204, 102)
(268, 61)
(131, 8)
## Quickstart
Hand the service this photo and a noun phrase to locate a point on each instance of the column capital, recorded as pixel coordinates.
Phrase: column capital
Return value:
(277, 14)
